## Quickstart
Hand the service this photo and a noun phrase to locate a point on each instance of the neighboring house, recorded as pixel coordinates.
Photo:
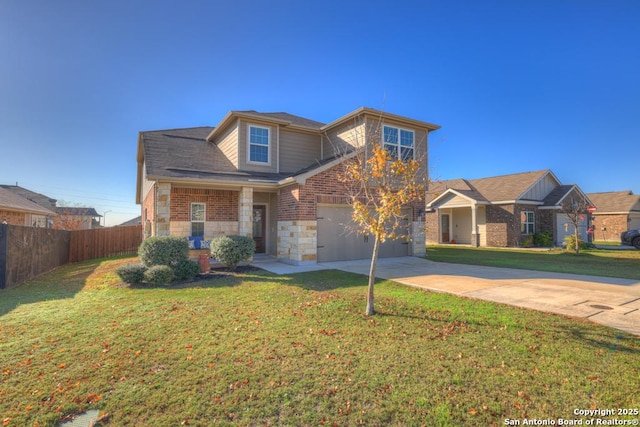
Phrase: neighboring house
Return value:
(502, 210)
(19, 206)
(271, 176)
(76, 218)
(617, 211)
(135, 221)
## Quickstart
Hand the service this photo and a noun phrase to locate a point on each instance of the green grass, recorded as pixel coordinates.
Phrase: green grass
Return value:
(597, 262)
(258, 349)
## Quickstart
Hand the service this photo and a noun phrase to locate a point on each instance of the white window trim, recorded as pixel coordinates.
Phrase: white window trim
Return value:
(268, 129)
(399, 145)
(191, 220)
(525, 233)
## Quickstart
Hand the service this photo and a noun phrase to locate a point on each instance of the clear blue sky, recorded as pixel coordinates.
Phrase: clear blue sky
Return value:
(516, 85)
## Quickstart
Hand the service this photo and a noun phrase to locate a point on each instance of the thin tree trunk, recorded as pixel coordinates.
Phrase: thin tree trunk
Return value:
(575, 236)
(372, 277)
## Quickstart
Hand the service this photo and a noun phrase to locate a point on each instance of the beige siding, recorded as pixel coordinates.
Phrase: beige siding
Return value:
(453, 201)
(243, 153)
(541, 189)
(337, 140)
(228, 144)
(461, 225)
(482, 225)
(298, 150)
(146, 184)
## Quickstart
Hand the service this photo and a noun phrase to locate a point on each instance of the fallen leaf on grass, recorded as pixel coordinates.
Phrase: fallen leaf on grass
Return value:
(93, 398)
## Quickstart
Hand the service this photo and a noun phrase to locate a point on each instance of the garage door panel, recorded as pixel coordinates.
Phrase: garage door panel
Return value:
(564, 228)
(337, 240)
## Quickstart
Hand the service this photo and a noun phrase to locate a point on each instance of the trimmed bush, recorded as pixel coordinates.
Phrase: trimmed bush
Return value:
(159, 275)
(163, 250)
(186, 269)
(131, 273)
(543, 240)
(526, 241)
(231, 250)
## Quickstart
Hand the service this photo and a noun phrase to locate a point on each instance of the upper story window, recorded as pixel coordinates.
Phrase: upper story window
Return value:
(527, 222)
(398, 142)
(259, 141)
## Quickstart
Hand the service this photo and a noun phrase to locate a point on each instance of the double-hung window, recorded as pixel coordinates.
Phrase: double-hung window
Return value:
(258, 144)
(197, 219)
(398, 142)
(527, 222)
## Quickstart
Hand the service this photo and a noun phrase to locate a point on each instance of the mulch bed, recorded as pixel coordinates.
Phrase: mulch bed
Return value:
(213, 274)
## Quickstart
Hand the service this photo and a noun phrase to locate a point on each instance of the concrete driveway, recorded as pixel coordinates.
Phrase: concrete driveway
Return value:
(609, 301)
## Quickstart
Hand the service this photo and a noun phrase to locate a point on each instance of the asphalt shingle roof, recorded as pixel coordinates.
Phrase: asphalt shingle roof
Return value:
(296, 120)
(37, 198)
(14, 202)
(615, 201)
(491, 189)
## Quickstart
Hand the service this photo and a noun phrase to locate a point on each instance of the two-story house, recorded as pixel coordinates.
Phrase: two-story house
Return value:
(274, 177)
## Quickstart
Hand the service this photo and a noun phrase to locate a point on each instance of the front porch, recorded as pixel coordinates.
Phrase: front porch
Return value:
(457, 225)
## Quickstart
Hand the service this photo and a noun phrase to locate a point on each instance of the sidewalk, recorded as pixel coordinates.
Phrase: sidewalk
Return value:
(608, 301)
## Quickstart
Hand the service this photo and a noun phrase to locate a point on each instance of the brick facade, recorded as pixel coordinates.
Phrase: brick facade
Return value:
(149, 213)
(13, 218)
(609, 227)
(220, 205)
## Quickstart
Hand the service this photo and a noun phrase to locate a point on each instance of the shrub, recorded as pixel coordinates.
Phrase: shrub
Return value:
(131, 273)
(163, 250)
(231, 250)
(570, 243)
(186, 269)
(543, 239)
(159, 275)
(526, 241)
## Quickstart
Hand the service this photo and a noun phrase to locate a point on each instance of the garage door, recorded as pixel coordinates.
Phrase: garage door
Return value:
(337, 241)
(564, 228)
(634, 222)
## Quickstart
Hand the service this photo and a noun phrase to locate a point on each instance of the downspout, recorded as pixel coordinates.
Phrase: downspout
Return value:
(278, 149)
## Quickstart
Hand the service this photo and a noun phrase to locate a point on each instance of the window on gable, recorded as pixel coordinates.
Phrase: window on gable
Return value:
(197, 219)
(258, 144)
(398, 142)
(527, 222)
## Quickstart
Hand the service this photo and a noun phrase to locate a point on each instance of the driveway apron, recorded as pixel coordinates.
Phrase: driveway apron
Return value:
(608, 301)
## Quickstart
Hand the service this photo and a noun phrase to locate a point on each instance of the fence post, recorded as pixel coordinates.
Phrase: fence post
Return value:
(4, 228)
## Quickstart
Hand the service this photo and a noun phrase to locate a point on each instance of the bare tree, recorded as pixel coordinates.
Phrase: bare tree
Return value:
(575, 207)
(381, 180)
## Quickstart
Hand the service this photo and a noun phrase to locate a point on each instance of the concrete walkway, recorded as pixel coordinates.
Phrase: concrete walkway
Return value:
(608, 301)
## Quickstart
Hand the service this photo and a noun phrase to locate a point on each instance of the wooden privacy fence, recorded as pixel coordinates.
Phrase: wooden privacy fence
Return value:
(104, 242)
(26, 252)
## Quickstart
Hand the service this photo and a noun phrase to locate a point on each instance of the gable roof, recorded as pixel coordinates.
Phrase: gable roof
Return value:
(302, 123)
(504, 188)
(615, 202)
(37, 198)
(80, 211)
(189, 155)
(13, 202)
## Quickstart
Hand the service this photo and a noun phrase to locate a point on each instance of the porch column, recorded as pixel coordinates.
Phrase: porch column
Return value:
(475, 241)
(163, 209)
(245, 212)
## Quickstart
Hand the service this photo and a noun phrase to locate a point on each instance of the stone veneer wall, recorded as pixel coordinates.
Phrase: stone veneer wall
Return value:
(211, 228)
(163, 210)
(418, 238)
(297, 242)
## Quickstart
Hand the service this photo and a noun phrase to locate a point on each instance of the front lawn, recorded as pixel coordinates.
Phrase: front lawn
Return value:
(624, 264)
(258, 349)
